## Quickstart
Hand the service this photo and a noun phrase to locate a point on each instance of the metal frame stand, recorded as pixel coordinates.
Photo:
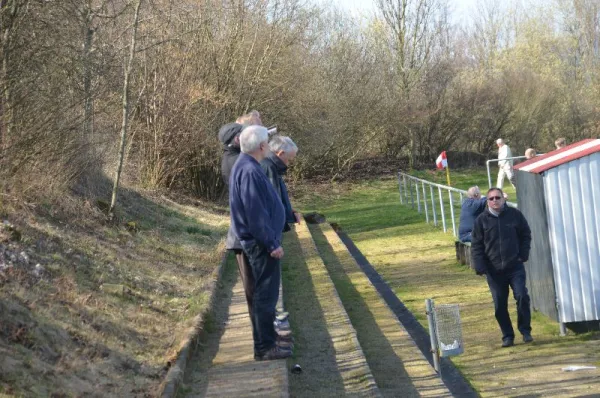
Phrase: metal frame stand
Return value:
(429, 306)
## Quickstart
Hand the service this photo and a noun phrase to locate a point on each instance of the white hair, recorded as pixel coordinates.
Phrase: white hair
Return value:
(473, 191)
(252, 137)
(499, 141)
(285, 144)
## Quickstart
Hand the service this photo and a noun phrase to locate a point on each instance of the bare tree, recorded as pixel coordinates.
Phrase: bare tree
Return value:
(125, 120)
(412, 34)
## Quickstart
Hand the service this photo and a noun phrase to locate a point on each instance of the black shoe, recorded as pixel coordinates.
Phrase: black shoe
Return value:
(274, 353)
(527, 338)
(508, 342)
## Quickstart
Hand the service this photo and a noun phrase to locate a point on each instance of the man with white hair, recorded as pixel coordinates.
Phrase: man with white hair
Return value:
(275, 165)
(471, 208)
(283, 151)
(257, 219)
(229, 135)
(505, 164)
(473, 205)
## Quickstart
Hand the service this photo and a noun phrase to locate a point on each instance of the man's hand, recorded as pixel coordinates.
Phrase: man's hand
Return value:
(479, 273)
(298, 217)
(505, 195)
(277, 253)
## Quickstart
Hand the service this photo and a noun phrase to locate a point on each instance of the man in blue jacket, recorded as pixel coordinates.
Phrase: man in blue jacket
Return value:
(500, 246)
(229, 135)
(471, 208)
(257, 219)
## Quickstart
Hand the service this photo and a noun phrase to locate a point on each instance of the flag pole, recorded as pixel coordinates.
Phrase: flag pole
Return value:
(448, 175)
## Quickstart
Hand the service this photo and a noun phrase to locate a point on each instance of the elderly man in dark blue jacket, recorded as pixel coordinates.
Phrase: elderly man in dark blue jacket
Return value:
(257, 219)
(500, 246)
(229, 135)
(471, 208)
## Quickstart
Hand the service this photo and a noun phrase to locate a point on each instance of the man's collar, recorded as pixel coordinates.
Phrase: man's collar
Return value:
(496, 213)
(281, 167)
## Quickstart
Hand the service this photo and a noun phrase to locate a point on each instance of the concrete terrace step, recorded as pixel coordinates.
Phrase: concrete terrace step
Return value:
(398, 366)
(233, 371)
(351, 363)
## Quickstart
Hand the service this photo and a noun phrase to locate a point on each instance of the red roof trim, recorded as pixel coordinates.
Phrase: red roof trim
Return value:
(554, 158)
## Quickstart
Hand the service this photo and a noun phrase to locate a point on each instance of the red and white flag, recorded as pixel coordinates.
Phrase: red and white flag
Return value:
(441, 162)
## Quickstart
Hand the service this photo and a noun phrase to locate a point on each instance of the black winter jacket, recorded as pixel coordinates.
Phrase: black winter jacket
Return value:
(230, 155)
(275, 169)
(231, 152)
(500, 243)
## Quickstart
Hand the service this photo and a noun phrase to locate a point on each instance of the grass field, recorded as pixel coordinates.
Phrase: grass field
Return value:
(418, 262)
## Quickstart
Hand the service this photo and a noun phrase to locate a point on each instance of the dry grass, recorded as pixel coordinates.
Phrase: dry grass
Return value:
(64, 333)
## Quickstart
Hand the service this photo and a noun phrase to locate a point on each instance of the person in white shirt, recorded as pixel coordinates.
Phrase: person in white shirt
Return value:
(506, 166)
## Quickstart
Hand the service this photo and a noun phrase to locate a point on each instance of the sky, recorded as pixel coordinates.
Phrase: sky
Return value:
(462, 9)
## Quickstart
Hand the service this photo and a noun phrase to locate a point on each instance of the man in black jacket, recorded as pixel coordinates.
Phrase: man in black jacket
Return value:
(283, 151)
(500, 246)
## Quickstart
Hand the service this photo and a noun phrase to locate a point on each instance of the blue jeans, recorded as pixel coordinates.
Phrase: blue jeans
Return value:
(499, 284)
(267, 273)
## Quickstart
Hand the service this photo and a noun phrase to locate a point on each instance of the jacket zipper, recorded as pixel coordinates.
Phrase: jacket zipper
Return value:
(500, 235)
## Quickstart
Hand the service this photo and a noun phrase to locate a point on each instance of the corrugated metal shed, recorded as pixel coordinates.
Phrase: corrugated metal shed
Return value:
(571, 187)
(540, 273)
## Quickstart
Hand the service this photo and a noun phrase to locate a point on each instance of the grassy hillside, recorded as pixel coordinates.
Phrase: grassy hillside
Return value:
(91, 308)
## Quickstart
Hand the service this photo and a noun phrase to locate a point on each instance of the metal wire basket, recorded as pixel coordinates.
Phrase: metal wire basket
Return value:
(448, 329)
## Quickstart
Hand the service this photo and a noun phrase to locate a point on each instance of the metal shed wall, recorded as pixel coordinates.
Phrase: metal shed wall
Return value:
(572, 193)
(540, 273)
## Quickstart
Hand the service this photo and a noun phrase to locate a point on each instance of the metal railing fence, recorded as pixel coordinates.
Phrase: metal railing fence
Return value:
(420, 193)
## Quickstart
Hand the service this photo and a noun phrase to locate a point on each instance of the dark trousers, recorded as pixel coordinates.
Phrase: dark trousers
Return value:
(499, 284)
(247, 277)
(266, 271)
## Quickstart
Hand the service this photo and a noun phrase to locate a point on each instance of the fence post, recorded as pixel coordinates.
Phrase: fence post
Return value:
(412, 197)
(487, 165)
(418, 196)
(433, 205)
(400, 189)
(442, 209)
(433, 335)
(425, 203)
(452, 213)
(405, 191)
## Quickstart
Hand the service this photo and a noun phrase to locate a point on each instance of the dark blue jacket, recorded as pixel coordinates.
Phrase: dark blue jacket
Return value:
(275, 169)
(471, 208)
(500, 243)
(256, 210)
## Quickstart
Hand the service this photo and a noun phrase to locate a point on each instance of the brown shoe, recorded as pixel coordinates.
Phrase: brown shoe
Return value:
(274, 353)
